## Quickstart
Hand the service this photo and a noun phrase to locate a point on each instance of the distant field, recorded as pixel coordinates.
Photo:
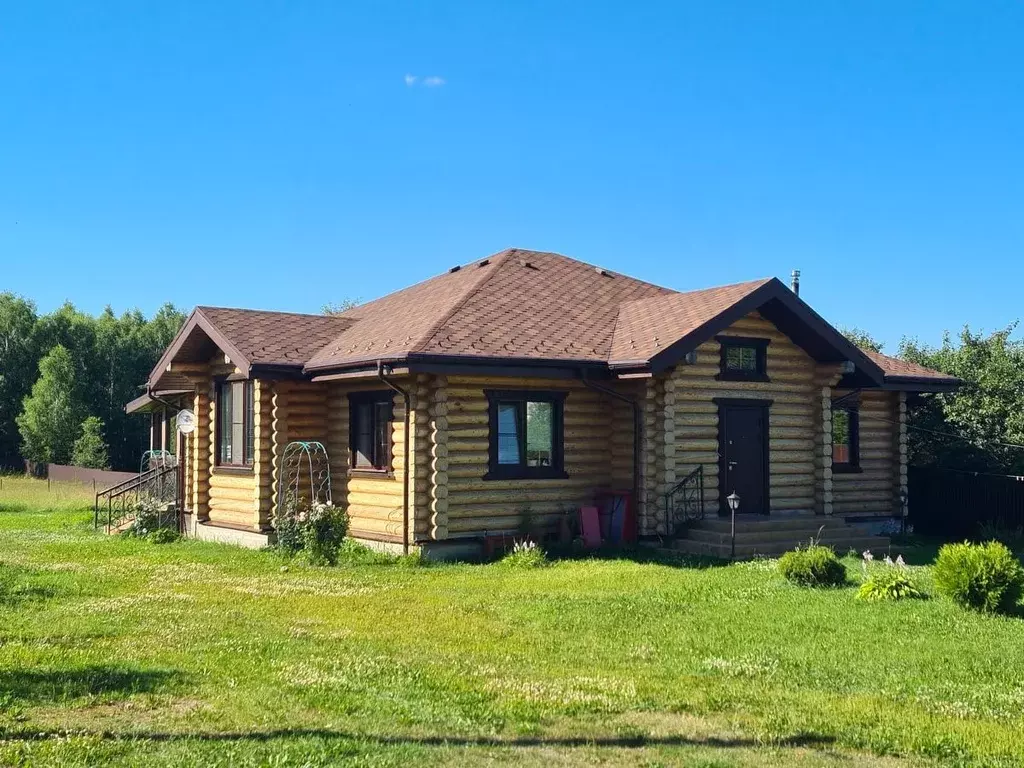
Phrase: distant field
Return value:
(121, 652)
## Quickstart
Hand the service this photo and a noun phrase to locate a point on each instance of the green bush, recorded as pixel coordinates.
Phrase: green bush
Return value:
(813, 566)
(163, 536)
(525, 554)
(323, 532)
(889, 583)
(316, 529)
(985, 577)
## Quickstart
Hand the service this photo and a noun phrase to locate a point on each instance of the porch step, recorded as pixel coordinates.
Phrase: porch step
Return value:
(762, 523)
(746, 550)
(761, 534)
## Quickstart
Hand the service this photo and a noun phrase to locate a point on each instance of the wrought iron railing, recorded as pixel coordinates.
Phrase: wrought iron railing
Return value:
(158, 486)
(684, 502)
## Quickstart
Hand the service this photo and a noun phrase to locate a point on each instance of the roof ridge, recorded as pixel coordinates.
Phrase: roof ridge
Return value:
(317, 315)
(500, 259)
(592, 266)
(677, 294)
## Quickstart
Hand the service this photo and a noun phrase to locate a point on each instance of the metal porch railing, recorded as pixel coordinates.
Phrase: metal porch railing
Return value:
(684, 502)
(159, 486)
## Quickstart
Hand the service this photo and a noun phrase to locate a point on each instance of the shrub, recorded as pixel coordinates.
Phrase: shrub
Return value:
(318, 530)
(1011, 537)
(288, 528)
(163, 536)
(813, 566)
(323, 532)
(525, 554)
(890, 583)
(985, 577)
(150, 516)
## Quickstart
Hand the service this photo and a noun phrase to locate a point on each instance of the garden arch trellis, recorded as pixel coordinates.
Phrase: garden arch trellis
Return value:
(304, 474)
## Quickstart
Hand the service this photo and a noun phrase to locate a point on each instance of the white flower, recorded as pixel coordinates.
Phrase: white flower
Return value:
(888, 560)
(868, 557)
(900, 561)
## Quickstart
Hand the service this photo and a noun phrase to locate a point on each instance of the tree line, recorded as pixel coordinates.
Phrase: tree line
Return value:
(66, 376)
(980, 427)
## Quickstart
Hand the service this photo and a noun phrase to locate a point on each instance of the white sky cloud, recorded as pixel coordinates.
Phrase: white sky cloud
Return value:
(433, 81)
(410, 80)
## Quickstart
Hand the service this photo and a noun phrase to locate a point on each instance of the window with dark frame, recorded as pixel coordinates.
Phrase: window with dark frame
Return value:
(370, 422)
(235, 423)
(526, 434)
(845, 438)
(743, 359)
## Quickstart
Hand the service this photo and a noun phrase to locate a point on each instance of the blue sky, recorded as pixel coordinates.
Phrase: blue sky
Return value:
(274, 154)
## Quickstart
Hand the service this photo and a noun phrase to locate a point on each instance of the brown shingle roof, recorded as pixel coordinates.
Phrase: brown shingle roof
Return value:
(275, 338)
(647, 326)
(514, 304)
(895, 368)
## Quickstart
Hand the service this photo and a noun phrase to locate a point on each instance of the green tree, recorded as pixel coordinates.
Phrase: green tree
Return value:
(977, 426)
(90, 449)
(53, 412)
(336, 308)
(862, 339)
(19, 359)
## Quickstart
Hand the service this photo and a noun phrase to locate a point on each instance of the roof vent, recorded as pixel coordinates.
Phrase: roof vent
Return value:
(525, 263)
(484, 263)
(602, 272)
(456, 268)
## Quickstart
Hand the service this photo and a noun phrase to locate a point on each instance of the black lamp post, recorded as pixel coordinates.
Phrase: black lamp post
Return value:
(734, 504)
(903, 512)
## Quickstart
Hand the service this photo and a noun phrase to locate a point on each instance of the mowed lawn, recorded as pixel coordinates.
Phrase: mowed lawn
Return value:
(123, 652)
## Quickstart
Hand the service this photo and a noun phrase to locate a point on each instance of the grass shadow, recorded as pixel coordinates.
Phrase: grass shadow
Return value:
(35, 686)
(805, 740)
(639, 554)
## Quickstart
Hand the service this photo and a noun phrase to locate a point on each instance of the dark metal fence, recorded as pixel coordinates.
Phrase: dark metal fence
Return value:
(954, 505)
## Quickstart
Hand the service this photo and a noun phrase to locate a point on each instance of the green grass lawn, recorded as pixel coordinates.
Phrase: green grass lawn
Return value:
(119, 651)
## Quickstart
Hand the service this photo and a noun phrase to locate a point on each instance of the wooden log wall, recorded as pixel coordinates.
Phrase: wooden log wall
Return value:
(903, 472)
(621, 440)
(230, 492)
(792, 418)
(263, 449)
(875, 489)
(651, 507)
(826, 377)
(201, 450)
(476, 506)
(374, 502)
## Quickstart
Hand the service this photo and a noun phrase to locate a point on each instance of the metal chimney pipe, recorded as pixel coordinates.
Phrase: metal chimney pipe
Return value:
(795, 285)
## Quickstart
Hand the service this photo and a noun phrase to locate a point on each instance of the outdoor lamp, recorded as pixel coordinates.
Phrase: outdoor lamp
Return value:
(903, 511)
(734, 504)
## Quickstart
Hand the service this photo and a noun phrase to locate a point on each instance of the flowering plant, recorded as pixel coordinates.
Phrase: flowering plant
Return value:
(316, 528)
(889, 580)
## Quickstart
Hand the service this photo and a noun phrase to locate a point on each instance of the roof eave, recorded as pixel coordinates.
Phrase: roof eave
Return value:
(465, 365)
(922, 384)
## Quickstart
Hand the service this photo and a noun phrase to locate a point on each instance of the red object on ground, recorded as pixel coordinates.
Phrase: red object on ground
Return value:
(590, 526)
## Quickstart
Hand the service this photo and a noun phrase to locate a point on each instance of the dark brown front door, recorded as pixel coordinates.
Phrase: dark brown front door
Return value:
(743, 447)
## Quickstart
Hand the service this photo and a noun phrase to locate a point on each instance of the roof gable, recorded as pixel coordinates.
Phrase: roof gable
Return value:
(249, 337)
(660, 332)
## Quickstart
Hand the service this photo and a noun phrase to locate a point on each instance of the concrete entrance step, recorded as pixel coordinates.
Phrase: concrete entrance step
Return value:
(764, 523)
(790, 535)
